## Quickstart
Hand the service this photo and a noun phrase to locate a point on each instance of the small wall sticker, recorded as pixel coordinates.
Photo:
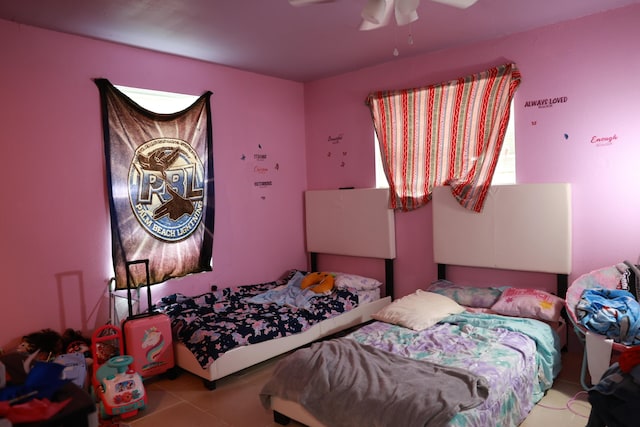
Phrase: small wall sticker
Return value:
(335, 139)
(336, 153)
(603, 141)
(262, 171)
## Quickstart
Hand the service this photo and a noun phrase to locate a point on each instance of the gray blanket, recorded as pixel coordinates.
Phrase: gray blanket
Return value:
(344, 383)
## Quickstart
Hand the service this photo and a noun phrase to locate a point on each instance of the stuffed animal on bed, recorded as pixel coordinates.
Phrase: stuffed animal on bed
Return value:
(319, 283)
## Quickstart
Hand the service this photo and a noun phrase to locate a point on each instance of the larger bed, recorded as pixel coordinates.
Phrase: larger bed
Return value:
(226, 330)
(428, 359)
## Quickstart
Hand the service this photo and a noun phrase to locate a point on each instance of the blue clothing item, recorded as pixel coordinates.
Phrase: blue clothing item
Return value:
(43, 380)
(611, 312)
(291, 294)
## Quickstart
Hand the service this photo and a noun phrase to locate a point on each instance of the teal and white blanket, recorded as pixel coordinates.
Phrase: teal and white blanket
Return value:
(517, 359)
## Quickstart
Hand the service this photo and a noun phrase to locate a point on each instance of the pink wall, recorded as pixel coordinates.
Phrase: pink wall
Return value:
(592, 62)
(55, 245)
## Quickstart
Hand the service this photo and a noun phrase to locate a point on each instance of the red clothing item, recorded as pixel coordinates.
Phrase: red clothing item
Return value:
(629, 358)
(31, 411)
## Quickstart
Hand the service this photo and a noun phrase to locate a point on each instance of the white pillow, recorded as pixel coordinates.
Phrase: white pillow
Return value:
(418, 310)
(353, 281)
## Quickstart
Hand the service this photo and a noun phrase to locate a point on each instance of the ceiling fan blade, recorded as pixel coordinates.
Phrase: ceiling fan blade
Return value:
(460, 4)
(298, 3)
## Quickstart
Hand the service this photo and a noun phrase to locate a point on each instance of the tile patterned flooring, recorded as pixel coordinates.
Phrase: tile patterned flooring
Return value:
(185, 401)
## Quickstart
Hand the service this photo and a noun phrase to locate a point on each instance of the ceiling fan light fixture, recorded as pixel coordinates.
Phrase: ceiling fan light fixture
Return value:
(404, 18)
(299, 3)
(406, 6)
(375, 11)
(368, 26)
(406, 11)
(460, 4)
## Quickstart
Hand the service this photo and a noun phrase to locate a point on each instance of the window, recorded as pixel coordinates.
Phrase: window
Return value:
(506, 168)
(381, 178)
(158, 101)
(504, 174)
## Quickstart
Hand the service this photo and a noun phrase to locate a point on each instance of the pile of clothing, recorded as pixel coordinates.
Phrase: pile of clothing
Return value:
(614, 313)
(42, 364)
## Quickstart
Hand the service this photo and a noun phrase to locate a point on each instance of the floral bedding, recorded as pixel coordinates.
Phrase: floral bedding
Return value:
(216, 322)
(518, 357)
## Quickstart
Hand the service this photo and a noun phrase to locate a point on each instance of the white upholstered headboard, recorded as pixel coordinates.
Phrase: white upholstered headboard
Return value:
(356, 222)
(523, 227)
(352, 222)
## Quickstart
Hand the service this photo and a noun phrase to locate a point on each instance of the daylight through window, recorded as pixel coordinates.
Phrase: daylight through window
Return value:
(158, 101)
(504, 174)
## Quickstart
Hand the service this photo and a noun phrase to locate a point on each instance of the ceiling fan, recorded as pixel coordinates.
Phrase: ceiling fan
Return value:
(377, 13)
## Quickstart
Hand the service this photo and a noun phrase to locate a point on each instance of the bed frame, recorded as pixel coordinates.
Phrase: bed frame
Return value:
(522, 227)
(337, 222)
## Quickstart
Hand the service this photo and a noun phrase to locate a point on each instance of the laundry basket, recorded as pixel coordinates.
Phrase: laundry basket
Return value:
(612, 277)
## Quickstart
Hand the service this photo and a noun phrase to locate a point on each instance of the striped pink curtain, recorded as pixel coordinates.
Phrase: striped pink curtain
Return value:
(445, 134)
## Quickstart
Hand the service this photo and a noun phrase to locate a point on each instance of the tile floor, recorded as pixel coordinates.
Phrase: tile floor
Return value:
(185, 402)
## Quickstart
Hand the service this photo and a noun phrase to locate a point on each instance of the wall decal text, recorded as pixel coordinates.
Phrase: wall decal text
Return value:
(601, 141)
(546, 102)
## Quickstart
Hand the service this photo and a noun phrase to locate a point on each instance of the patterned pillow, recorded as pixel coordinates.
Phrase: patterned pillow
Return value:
(533, 303)
(467, 295)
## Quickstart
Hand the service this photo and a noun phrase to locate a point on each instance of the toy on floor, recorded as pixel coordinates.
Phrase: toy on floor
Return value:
(118, 388)
(121, 391)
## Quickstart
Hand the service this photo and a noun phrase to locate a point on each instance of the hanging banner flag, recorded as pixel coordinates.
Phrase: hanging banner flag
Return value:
(160, 182)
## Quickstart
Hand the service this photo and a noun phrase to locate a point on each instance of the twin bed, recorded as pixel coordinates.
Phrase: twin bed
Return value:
(227, 330)
(430, 361)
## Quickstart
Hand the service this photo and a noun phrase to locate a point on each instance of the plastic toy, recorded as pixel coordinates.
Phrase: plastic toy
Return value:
(117, 387)
(121, 391)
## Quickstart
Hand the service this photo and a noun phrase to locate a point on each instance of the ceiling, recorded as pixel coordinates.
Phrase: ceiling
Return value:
(272, 37)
